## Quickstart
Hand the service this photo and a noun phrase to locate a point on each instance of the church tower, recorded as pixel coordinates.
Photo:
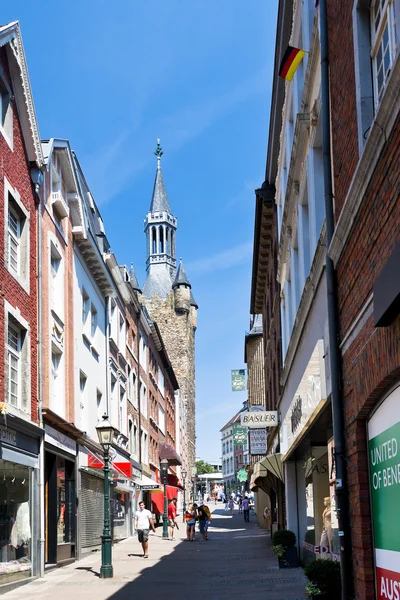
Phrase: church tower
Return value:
(168, 297)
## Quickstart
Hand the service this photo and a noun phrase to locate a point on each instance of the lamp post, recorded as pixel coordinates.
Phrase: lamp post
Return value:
(184, 473)
(164, 473)
(105, 432)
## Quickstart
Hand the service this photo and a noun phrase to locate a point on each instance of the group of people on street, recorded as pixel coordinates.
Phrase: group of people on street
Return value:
(243, 504)
(194, 513)
(197, 513)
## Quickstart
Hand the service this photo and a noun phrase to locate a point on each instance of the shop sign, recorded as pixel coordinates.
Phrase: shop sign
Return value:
(8, 436)
(242, 475)
(309, 394)
(56, 438)
(238, 380)
(258, 441)
(265, 418)
(240, 434)
(384, 472)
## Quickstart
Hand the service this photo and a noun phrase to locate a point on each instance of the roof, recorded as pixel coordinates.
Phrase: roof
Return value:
(159, 201)
(22, 90)
(133, 280)
(232, 421)
(192, 300)
(181, 277)
(158, 282)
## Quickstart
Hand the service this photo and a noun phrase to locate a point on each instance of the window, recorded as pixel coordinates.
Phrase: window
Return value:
(143, 399)
(56, 282)
(161, 381)
(14, 345)
(384, 43)
(142, 350)
(99, 403)
(122, 409)
(57, 387)
(14, 235)
(93, 320)
(17, 237)
(83, 407)
(6, 116)
(85, 306)
(161, 419)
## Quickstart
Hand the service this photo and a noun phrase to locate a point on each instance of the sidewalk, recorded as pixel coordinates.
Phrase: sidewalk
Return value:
(236, 562)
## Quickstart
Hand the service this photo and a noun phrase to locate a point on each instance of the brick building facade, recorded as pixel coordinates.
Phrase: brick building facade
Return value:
(365, 249)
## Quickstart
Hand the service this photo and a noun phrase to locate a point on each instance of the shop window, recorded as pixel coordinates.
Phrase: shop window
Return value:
(15, 522)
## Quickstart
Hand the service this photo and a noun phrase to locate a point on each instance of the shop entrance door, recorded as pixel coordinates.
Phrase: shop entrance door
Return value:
(60, 509)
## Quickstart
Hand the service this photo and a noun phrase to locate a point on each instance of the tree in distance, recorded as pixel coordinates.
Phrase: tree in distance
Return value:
(204, 467)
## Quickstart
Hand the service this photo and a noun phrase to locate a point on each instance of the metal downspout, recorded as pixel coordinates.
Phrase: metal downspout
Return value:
(342, 501)
(40, 386)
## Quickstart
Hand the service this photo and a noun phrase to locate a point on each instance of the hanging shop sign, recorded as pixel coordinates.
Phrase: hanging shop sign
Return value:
(262, 419)
(239, 434)
(309, 395)
(384, 474)
(242, 475)
(258, 441)
(238, 380)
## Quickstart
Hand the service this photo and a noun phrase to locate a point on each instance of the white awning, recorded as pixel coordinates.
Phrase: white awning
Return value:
(273, 462)
(145, 483)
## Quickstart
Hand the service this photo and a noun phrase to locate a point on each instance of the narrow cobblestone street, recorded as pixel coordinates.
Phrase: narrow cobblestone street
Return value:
(236, 562)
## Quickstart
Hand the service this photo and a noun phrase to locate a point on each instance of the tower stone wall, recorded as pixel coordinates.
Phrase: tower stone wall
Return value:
(178, 332)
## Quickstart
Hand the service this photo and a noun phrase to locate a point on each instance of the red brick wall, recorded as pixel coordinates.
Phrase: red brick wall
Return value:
(15, 168)
(371, 362)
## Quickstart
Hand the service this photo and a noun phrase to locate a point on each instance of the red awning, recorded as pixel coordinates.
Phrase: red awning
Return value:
(123, 468)
(157, 499)
(173, 480)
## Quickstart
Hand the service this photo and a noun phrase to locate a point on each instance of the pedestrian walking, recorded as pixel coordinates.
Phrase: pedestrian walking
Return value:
(172, 517)
(240, 505)
(143, 523)
(204, 516)
(190, 518)
(246, 509)
(231, 505)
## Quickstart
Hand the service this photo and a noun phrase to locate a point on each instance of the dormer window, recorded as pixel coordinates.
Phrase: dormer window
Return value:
(58, 192)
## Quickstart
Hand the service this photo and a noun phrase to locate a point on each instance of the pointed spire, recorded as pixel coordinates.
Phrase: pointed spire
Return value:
(181, 277)
(159, 201)
(193, 301)
(133, 280)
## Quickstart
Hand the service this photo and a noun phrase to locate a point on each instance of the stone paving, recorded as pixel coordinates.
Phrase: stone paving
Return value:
(236, 562)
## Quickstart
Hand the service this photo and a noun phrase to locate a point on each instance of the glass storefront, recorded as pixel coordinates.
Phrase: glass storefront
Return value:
(321, 536)
(15, 522)
(118, 514)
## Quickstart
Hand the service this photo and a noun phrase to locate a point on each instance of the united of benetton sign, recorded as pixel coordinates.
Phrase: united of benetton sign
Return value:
(266, 418)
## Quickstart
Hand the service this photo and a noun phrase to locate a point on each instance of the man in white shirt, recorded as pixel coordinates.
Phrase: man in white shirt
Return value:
(143, 522)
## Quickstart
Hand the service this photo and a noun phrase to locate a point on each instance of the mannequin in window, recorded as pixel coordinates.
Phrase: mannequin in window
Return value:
(326, 535)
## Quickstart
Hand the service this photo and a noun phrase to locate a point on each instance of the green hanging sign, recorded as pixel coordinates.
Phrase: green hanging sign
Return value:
(242, 475)
(238, 380)
(240, 434)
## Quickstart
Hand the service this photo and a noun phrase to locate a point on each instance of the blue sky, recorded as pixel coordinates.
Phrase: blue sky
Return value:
(114, 77)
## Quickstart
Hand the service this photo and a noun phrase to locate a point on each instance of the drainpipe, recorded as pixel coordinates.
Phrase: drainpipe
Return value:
(37, 180)
(341, 489)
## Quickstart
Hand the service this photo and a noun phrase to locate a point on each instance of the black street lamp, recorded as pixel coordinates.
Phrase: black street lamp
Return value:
(184, 473)
(105, 431)
(164, 473)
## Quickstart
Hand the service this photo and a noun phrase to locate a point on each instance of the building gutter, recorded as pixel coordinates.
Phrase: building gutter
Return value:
(341, 489)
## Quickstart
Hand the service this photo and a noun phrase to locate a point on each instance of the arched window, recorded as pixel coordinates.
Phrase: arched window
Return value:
(153, 240)
(167, 241)
(161, 240)
(172, 251)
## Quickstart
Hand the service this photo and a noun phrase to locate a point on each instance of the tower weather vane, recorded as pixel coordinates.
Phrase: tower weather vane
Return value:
(158, 151)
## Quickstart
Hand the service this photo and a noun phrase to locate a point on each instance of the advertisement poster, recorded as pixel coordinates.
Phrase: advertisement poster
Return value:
(384, 472)
(258, 441)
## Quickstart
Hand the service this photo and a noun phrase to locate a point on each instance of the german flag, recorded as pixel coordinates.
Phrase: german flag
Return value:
(290, 61)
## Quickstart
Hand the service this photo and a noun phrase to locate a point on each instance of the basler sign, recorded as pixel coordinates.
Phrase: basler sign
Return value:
(384, 471)
(266, 418)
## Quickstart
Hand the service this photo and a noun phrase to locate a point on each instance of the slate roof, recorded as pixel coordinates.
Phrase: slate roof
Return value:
(158, 283)
(133, 280)
(192, 300)
(181, 277)
(159, 201)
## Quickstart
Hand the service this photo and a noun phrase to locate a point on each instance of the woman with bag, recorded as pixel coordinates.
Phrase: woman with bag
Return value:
(190, 518)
